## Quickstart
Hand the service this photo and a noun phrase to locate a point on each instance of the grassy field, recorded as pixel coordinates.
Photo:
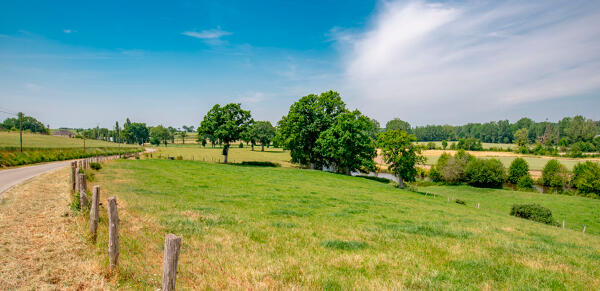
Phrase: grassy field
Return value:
(236, 154)
(285, 228)
(31, 140)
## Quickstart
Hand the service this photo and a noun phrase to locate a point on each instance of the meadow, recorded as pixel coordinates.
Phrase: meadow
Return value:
(486, 145)
(284, 228)
(33, 140)
(236, 154)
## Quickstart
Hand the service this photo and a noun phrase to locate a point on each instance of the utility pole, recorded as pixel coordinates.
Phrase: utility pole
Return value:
(21, 130)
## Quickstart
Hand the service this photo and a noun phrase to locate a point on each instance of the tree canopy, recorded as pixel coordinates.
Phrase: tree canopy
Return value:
(225, 124)
(304, 123)
(347, 145)
(401, 154)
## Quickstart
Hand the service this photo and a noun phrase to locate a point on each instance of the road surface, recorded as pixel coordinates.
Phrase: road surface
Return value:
(12, 177)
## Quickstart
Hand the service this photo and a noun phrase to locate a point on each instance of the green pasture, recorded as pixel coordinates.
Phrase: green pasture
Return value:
(286, 228)
(236, 154)
(38, 141)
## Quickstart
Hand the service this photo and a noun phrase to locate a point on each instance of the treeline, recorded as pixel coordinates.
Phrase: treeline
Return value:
(465, 168)
(567, 131)
(28, 123)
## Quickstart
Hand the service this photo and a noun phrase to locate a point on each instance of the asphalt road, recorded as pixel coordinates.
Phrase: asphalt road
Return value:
(12, 177)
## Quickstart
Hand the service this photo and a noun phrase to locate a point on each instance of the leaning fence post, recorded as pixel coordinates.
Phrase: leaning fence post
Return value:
(83, 198)
(113, 233)
(584, 227)
(94, 211)
(171, 256)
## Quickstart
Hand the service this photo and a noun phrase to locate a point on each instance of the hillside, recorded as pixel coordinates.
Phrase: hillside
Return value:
(284, 228)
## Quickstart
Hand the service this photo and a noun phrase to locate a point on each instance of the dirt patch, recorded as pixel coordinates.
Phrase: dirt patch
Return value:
(40, 247)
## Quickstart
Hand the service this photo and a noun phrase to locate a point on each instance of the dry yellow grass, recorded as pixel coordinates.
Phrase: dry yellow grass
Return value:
(40, 246)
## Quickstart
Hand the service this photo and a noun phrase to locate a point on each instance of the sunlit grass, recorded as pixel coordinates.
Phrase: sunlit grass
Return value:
(285, 228)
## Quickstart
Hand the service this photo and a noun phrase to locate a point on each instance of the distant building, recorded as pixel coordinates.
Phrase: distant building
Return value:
(64, 133)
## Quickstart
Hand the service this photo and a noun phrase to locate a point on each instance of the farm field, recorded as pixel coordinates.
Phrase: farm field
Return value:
(32, 140)
(285, 228)
(236, 154)
(536, 163)
(486, 145)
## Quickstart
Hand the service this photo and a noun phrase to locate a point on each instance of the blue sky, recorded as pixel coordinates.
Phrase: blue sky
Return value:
(84, 63)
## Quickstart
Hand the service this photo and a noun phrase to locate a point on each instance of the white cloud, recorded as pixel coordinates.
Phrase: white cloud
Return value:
(68, 31)
(207, 34)
(417, 56)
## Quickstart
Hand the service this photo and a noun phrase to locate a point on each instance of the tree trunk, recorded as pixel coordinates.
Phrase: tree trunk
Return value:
(113, 233)
(225, 153)
(170, 258)
(263, 148)
(252, 146)
(400, 182)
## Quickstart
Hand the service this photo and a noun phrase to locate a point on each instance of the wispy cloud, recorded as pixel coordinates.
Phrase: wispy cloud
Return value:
(207, 34)
(68, 31)
(472, 56)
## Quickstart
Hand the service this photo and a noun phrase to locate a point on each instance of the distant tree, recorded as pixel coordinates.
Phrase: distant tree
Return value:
(159, 134)
(375, 129)
(586, 177)
(226, 124)
(347, 145)
(304, 123)
(28, 123)
(444, 144)
(172, 132)
(522, 137)
(470, 144)
(518, 168)
(183, 134)
(264, 133)
(188, 129)
(249, 136)
(401, 154)
(555, 174)
(397, 123)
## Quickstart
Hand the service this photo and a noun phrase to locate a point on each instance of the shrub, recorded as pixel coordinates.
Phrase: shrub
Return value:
(241, 145)
(533, 212)
(179, 158)
(586, 177)
(378, 179)
(95, 166)
(260, 164)
(518, 168)
(460, 201)
(431, 146)
(485, 173)
(555, 174)
(525, 182)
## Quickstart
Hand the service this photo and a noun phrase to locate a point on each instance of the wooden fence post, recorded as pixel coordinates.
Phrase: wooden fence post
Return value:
(73, 176)
(113, 233)
(94, 211)
(563, 223)
(170, 258)
(584, 227)
(83, 198)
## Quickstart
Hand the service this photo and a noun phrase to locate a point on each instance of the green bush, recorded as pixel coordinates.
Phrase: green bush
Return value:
(451, 169)
(259, 164)
(586, 177)
(431, 146)
(378, 179)
(485, 173)
(518, 168)
(533, 212)
(555, 174)
(95, 166)
(525, 182)
(10, 157)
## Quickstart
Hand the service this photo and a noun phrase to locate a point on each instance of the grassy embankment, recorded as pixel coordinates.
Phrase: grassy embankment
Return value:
(285, 228)
(39, 148)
